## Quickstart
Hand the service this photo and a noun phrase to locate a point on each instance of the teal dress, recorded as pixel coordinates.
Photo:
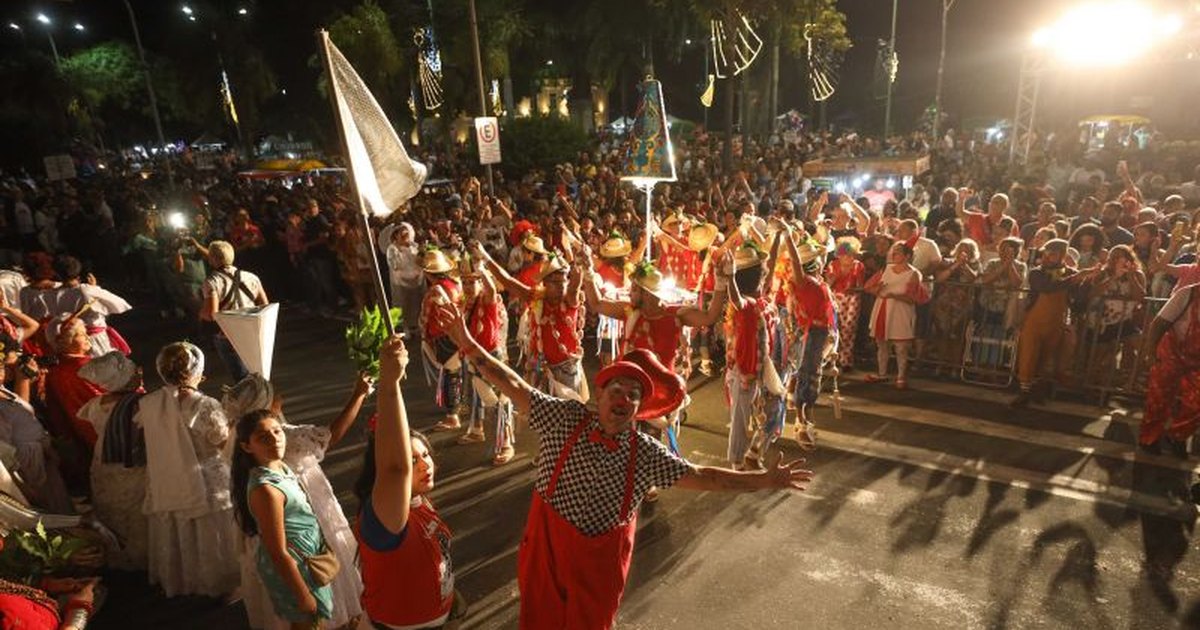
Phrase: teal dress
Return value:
(303, 534)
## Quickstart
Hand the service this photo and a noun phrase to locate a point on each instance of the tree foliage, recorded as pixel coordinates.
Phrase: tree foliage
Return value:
(539, 142)
(106, 75)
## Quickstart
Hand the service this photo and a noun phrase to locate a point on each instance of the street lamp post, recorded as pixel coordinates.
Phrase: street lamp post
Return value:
(479, 79)
(47, 23)
(937, 95)
(891, 75)
(137, 38)
(227, 90)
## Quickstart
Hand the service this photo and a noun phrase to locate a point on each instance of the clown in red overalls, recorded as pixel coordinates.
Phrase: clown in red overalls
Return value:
(1173, 393)
(593, 472)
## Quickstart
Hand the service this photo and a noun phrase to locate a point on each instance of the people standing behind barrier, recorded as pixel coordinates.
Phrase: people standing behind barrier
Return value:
(1089, 241)
(897, 290)
(845, 278)
(1045, 320)
(955, 291)
(1115, 293)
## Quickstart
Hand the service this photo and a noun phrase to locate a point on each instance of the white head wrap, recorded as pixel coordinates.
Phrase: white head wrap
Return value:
(250, 394)
(195, 365)
(111, 371)
(54, 328)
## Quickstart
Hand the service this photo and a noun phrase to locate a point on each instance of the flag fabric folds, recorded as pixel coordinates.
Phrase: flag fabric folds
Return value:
(385, 175)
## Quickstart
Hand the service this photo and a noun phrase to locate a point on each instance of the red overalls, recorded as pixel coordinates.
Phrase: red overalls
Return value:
(1175, 379)
(570, 581)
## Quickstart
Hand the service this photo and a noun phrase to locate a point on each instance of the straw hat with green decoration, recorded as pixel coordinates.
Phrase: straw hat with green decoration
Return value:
(748, 255)
(651, 280)
(434, 261)
(702, 236)
(615, 246)
(552, 265)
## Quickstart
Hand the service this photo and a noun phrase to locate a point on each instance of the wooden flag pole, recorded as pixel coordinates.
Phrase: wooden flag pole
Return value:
(380, 290)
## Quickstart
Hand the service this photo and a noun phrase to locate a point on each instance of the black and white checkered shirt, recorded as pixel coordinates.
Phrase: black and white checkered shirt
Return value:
(591, 486)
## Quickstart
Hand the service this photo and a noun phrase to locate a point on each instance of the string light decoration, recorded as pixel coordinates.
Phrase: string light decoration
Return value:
(823, 62)
(735, 43)
(429, 64)
(494, 94)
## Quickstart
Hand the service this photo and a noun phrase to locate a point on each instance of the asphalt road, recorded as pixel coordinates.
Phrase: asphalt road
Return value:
(935, 507)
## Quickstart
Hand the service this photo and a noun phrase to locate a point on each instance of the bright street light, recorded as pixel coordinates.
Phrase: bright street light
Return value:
(14, 26)
(243, 11)
(187, 10)
(1076, 38)
(41, 17)
(78, 27)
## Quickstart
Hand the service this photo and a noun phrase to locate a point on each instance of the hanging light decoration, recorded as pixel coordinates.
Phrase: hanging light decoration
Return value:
(735, 44)
(823, 62)
(429, 63)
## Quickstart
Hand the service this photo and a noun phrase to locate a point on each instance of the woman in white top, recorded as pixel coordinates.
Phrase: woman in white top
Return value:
(73, 294)
(118, 471)
(193, 536)
(306, 447)
(894, 316)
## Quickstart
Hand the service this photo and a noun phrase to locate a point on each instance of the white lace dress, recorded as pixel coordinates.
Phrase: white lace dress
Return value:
(193, 552)
(118, 493)
(306, 445)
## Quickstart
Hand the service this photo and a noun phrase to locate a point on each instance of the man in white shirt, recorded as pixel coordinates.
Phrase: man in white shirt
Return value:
(227, 288)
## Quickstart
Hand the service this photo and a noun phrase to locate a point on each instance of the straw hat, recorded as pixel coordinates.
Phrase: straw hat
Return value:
(651, 280)
(748, 256)
(533, 243)
(671, 219)
(849, 243)
(435, 261)
(809, 251)
(615, 246)
(554, 264)
(702, 236)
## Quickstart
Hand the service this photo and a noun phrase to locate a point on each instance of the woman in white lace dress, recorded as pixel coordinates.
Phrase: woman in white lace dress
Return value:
(306, 447)
(193, 536)
(118, 471)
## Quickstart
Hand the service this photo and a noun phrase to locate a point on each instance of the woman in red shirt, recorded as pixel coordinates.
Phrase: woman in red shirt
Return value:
(403, 545)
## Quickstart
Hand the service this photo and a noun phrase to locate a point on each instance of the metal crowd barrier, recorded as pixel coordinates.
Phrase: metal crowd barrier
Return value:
(973, 331)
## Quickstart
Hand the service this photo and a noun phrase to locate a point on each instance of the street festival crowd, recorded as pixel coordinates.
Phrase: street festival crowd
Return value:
(1080, 264)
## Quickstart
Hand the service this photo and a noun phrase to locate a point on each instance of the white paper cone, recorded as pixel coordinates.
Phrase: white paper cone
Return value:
(251, 332)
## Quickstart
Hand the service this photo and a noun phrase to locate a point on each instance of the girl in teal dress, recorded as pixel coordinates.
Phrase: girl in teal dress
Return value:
(271, 504)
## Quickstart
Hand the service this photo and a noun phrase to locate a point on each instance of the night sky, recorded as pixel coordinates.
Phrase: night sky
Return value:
(984, 42)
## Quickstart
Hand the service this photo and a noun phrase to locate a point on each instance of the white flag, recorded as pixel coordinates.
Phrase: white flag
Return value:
(386, 177)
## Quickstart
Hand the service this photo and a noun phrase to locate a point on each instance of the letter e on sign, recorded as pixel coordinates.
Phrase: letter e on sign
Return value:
(487, 137)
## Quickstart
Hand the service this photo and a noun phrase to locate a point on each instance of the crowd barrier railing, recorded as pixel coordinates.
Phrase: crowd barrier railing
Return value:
(972, 332)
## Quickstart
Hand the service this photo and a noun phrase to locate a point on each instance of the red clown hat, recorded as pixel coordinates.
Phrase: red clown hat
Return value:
(668, 391)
